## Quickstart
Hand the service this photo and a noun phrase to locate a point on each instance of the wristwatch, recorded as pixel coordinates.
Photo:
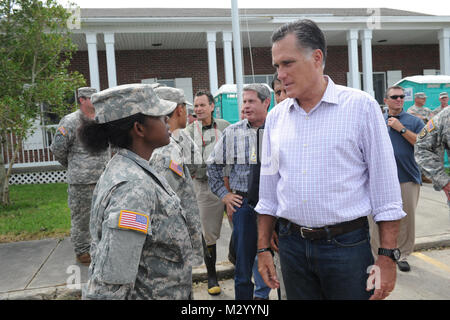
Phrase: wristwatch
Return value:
(403, 130)
(394, 254)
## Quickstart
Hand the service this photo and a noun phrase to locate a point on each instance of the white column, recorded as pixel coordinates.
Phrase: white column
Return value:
(212, 61)
(352, 43)
(444, 51)
(227, 37)
(110, 59)
(91, 40)
(366, 46)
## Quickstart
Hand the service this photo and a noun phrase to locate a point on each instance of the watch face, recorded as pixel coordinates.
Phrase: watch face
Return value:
(396, 253)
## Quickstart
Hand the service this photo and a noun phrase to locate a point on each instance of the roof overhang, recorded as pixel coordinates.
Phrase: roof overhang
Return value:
(139, 29)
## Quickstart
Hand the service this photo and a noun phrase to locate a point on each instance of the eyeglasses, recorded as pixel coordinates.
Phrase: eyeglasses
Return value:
(395, 97)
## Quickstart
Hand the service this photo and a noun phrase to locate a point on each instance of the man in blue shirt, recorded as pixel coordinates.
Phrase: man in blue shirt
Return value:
(403, 129)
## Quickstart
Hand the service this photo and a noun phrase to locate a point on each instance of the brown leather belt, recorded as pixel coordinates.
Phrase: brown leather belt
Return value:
(327, 232)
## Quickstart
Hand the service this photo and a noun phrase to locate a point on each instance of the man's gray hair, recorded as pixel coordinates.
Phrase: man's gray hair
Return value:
(260, 88)
(308, 35)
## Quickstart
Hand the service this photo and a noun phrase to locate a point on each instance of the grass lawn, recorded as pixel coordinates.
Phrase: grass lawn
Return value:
(37, 211)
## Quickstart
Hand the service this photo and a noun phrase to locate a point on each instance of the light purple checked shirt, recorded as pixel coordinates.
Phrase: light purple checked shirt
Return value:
(331, 165)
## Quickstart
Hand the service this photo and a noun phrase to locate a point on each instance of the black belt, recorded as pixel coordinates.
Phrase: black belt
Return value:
(327, 232)
(241, 193)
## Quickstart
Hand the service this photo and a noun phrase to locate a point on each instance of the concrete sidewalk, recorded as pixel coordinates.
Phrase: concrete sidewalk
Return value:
(43, 269)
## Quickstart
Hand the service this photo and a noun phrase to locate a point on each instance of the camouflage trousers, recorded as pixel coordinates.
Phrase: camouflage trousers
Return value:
(79, 201)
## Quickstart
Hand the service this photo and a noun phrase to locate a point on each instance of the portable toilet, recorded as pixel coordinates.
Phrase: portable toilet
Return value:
(430, 85)
(225, 103)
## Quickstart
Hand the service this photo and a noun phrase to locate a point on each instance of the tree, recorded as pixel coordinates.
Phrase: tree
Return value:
(35, 53)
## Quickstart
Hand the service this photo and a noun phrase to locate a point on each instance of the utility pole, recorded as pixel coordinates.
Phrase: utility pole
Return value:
(237, 52)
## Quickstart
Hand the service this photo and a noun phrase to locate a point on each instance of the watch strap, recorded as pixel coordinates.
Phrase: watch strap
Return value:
(264, 250)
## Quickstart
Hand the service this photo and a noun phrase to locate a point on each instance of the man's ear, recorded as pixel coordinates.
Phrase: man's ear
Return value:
(267, 103)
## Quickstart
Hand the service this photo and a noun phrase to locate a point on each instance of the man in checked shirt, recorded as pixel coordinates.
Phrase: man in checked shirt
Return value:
(237, 148)
(327, 163)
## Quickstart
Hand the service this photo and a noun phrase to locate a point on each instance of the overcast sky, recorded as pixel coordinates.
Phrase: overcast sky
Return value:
(437, 7)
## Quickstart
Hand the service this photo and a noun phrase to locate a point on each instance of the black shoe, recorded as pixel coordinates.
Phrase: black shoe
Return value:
(210, 262)
(404, 266)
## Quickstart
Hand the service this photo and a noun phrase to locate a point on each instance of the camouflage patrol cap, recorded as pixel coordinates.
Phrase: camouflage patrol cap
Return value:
(172, 94)
(157, 85)
(420, 95)
(126, 100)
(86, 92)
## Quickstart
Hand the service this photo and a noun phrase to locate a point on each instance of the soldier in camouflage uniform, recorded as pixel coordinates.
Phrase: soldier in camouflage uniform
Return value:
(141, 248)
(174, 163)
(83, 171)
(434, 137)
(418, 109)
(443, 99)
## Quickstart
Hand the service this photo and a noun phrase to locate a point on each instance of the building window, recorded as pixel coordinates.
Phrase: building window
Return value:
(379, 85)
(167, 82)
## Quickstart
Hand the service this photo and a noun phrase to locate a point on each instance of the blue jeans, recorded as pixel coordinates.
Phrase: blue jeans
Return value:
(245, 238)
(325, 269)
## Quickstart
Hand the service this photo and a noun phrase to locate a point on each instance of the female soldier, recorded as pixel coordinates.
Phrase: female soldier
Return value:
(140, 242)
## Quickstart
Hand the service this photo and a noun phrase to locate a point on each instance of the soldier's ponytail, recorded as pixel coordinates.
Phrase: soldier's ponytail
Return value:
(97, 137)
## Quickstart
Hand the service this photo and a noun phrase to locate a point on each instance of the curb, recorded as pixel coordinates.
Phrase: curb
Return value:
(430, 242)
(225, 270)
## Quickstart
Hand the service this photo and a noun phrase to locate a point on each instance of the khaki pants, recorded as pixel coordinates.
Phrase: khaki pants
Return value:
(211, 211)
(406, 236)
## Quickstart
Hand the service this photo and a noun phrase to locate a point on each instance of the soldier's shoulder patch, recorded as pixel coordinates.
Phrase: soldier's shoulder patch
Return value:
(430, 125)
(175, 167)
(62, 130)
(133, 220)
(423, 133)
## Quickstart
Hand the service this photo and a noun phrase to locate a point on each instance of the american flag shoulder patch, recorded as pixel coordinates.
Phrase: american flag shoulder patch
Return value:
(62, 130)
(133, 220)
(175, 167)
(430, 125)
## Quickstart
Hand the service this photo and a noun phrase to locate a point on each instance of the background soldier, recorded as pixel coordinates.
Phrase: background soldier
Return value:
(173, 163)
(83, 171)
(443, 99)
(418, 109)
(428, 150)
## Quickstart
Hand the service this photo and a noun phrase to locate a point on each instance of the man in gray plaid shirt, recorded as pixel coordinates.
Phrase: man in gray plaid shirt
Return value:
(237, 148)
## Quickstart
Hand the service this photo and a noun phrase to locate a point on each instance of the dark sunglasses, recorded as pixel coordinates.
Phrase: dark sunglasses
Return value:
(402, 96)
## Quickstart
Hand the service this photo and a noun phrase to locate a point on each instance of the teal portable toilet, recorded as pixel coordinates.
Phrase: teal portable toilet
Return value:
(225, 103)
(431, 86)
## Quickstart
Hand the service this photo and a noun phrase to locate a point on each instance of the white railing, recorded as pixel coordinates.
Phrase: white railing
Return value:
(34, 152)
